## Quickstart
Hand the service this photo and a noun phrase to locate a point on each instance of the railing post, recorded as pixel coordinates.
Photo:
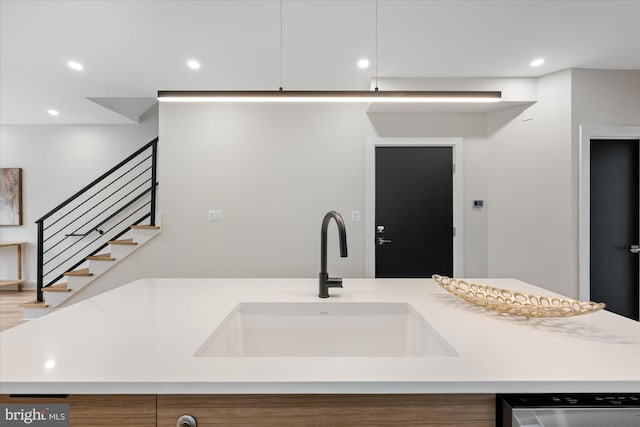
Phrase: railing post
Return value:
(40, 267)
(154, 155)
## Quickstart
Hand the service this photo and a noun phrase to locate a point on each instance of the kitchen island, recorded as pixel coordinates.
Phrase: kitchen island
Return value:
(141, 339)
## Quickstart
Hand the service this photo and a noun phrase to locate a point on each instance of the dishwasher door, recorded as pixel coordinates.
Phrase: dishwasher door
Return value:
(563, 410)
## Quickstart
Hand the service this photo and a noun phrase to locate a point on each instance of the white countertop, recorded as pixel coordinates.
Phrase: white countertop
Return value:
(141, 337)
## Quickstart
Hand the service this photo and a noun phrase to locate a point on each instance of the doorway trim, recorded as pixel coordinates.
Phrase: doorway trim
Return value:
(587, 133)
(370, 194)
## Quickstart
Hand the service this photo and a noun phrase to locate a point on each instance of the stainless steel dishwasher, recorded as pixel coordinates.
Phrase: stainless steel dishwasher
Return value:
(568, 410)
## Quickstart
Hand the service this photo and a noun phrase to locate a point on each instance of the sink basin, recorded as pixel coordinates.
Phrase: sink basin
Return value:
(342, 329)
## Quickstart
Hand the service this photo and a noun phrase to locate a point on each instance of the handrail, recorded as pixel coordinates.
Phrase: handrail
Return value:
(98, 180)
(134, 192)
(98, 192)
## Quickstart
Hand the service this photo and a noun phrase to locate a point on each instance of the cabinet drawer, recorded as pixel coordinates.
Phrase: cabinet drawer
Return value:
(330, 410)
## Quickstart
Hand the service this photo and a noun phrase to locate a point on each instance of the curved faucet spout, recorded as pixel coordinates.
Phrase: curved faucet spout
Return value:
(342, 234)
(325, 281)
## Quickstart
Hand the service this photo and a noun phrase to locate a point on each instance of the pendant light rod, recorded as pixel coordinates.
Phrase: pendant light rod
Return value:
(281, 42)
(376, 45)
(328, 96)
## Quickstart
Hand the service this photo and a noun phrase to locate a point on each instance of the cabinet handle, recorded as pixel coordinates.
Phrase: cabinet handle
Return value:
(634, 249)
(186, 421)
(382, 241)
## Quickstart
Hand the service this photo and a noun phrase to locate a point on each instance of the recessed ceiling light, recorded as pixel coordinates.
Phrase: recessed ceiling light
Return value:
(537, 62)
(363, 63)
(74, 65)
(53, 112)
(193, 64)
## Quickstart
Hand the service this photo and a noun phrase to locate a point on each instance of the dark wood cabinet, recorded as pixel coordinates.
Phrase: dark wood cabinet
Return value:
(275, 409)
(330, 410)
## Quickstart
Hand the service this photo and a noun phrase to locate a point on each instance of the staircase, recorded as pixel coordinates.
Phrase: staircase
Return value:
(93, 230)
(89, 271)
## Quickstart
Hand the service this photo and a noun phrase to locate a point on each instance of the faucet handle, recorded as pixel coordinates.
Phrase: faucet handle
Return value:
(334, 282)
(327, 282)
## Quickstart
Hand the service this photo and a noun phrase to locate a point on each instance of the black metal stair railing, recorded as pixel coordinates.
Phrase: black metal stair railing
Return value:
(102, 211)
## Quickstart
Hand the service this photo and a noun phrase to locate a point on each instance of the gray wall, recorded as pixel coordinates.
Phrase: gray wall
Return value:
(533, 173)
(275, 170)
(529, 189)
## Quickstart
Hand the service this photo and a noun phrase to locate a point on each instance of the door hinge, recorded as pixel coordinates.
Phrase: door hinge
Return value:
(454, 232)
(453, 168)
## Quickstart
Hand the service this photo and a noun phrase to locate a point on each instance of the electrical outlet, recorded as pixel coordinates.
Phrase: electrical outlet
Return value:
(216, 216)
(355, 215)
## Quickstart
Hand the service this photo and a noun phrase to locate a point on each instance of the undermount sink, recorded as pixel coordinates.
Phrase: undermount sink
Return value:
(342, 329)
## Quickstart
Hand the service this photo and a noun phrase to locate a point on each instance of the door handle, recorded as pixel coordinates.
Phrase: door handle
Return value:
(634, 249)
(382, 241)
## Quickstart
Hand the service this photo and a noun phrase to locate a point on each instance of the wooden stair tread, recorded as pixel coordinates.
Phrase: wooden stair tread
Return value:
(60, 287)
(123, 242)
(81, 272)
(145, 227)
(101, 257)
(35, 304)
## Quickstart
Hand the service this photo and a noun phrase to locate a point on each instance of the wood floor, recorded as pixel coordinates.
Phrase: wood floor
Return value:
(10, 310)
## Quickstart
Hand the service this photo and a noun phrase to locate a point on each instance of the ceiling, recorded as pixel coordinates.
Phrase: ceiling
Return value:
(131, 49)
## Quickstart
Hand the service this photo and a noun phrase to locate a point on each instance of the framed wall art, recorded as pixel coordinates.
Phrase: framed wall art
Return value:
(10, 196)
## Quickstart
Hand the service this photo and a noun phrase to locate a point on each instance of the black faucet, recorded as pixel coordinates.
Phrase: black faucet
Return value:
(325, 281)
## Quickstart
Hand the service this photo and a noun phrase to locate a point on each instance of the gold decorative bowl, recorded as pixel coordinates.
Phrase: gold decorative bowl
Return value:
(506, 301)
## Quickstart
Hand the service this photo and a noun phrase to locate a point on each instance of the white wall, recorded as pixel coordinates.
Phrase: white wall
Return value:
(533, 173)
(530, 212)
(610, 97)
(476, 219)
(274, 170)
(57, 161)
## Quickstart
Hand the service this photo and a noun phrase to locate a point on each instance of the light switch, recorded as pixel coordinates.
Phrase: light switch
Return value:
(216, 216)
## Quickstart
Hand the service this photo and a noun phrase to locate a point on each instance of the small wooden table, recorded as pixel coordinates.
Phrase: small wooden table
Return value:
(18, 281)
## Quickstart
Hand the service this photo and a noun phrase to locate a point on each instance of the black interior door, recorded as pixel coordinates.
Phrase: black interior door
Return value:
(414, 211)
(614, 228)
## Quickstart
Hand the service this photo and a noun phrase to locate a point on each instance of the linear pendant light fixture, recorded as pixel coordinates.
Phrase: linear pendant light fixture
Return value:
(328, 96)
(300, 96)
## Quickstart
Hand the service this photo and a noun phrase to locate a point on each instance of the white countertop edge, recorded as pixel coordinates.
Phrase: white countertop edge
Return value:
(448, 387)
